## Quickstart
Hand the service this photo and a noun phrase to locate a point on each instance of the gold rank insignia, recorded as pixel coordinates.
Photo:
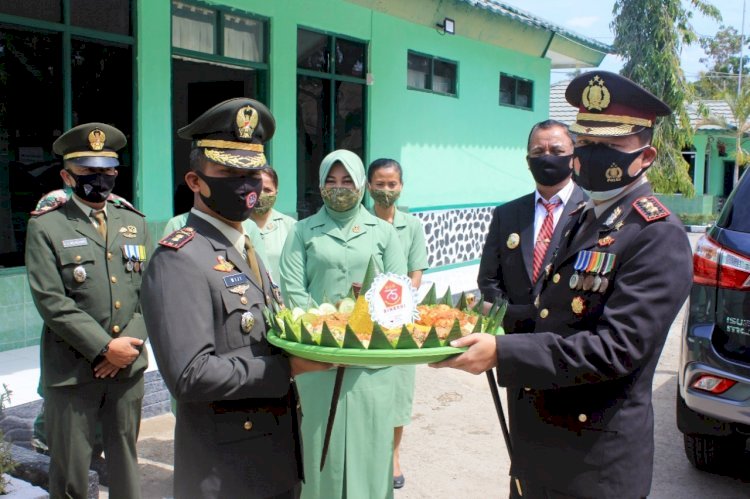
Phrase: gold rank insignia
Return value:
(247, 121)
(223, 265)
(130, 231)
(596, 96)
(578, 305)
(650, 208)
(513, 240)
(97, 139)
(606, 241)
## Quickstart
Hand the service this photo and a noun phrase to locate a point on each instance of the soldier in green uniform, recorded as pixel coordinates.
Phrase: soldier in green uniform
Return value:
(324, 254)
(84, 257)
(384, 183)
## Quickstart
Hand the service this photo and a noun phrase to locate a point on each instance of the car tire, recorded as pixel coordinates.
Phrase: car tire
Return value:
(709, 453)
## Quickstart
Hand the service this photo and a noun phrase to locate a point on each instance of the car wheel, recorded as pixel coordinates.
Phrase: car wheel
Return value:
(709, 453)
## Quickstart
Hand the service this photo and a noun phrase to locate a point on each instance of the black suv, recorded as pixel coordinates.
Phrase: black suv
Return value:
(713, 399)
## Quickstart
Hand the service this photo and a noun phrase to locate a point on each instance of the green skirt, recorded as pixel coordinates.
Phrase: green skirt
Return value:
(403, 395)
(360, 455)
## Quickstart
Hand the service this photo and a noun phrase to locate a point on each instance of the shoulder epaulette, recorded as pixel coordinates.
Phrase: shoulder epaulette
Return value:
(178, 238)
(121, 202)
(650, 208)
(50, 202)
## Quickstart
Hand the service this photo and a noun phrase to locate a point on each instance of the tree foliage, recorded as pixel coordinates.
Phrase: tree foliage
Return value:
(723, 63)
(649, 35)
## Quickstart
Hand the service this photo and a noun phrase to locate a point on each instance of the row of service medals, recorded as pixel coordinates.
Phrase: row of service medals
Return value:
(591, 269)
(135, 255)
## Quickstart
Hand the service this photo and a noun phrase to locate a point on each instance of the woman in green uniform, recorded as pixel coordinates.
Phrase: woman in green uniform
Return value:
(324, 254)
(385, 182)
(274, 226)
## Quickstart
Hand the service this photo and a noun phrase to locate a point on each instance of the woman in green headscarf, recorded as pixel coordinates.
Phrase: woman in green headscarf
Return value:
(323, 256)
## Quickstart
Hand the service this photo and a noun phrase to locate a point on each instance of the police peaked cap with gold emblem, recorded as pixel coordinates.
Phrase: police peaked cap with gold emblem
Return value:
(232, 133)
(610, 105)
(91, 145)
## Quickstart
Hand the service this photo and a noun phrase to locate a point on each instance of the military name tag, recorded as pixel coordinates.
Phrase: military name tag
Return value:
(72, 243)
(236, 280)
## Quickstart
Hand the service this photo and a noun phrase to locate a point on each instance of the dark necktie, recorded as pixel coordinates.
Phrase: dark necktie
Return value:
(545, 235)
(101, 220)
(252, 260)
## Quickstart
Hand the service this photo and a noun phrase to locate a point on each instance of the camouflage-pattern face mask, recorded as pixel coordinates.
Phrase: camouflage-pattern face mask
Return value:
(265, 203)
(384, 197)
(339, 198)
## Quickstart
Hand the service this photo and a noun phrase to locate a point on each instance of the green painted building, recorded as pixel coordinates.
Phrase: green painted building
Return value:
(450, 88)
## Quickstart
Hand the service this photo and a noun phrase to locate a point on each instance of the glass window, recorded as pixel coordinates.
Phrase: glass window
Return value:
(424, 72)
(516, 92)
(350, 58)
(45, 10)
(111, 16)
(244, 38)
(193, 28)
(312, 51)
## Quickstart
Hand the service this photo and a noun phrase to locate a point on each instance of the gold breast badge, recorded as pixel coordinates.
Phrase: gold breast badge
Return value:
(513, 240)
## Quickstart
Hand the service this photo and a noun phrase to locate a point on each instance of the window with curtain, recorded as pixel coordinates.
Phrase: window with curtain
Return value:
(516, 92)
(424, 72)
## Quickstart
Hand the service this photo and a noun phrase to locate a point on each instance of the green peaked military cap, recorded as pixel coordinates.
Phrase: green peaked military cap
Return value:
(610, 105)
(92, 145)
(232, 133)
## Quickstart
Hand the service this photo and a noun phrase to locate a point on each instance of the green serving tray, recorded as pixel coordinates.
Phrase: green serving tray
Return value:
(360, 357)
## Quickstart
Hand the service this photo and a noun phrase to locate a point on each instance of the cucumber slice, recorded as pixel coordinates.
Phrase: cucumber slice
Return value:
(297, 313)
(327, 308)
(346, 306)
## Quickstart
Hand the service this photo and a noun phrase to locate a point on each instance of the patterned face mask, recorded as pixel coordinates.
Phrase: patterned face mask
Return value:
(384, 197)
(339, 198)
(265, 203)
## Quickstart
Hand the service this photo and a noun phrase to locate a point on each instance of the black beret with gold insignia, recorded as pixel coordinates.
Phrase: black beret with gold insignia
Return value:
(232, 133)
(92, 145)
(610, 105)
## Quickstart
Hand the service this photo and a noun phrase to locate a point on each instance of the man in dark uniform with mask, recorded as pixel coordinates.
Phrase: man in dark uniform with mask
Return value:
(525, 232)
(204, 293)
(84, 258)
(579, 386)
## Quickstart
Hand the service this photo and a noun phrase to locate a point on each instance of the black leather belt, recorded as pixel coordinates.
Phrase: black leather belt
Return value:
(275, 406)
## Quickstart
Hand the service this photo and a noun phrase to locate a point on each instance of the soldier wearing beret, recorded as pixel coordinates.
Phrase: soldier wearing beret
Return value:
(204, 293)
(85, 255)
(579, 385)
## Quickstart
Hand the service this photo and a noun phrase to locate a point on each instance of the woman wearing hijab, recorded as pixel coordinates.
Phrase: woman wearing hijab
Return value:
(323, 255)
(384, 183)
(274, 226)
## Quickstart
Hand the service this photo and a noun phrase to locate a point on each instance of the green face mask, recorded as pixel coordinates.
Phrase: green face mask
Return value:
(265, 203)
(384, 197)
(339, 198)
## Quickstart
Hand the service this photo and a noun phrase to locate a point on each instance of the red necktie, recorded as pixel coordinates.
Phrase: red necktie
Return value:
(545, 235)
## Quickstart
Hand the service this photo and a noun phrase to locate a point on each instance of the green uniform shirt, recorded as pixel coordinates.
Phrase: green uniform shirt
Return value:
(320, 262)
(178, 222)
(411, 235)
(274, 235)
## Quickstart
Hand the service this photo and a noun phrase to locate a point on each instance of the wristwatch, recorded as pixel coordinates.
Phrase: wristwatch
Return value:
(104, 350)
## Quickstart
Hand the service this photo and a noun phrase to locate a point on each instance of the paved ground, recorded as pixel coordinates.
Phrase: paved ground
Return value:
(454, 449)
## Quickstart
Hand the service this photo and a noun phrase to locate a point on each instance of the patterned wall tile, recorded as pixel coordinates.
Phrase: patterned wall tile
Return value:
(455, 235)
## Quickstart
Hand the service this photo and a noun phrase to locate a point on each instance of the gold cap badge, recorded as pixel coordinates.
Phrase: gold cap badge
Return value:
(595, 96)
(96, 139)
(247, 122)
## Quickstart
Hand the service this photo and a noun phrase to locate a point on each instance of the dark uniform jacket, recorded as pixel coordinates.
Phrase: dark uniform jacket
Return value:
(579, 387)
(505, 269)
(80, 318)
(235, 433)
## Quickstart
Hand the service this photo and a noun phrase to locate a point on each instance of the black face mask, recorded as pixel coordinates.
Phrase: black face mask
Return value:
(605, 169)
(549, 170)
(94, 188)
(232, 197)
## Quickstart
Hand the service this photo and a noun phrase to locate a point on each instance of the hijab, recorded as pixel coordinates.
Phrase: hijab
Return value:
(356, 170)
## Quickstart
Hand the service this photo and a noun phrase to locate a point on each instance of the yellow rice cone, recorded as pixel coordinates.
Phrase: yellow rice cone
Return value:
(360, 320)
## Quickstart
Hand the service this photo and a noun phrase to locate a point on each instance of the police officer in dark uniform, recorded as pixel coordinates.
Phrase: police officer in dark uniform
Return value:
(579, 386)
(204, 294)
(84, 258)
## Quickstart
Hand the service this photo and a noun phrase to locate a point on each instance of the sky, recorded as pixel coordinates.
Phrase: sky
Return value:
(592, 19)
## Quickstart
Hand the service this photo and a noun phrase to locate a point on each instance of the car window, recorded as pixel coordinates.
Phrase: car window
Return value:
(736, 212)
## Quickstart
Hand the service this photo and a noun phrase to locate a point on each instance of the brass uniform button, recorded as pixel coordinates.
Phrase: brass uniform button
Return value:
(556, 278)
(109, 255)
(248, 425)
(582, 418)
(243, 300)
(118, 304)
(526, 389)
(113, 279)
(78, 258)
(544, 313)
(116, 329)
